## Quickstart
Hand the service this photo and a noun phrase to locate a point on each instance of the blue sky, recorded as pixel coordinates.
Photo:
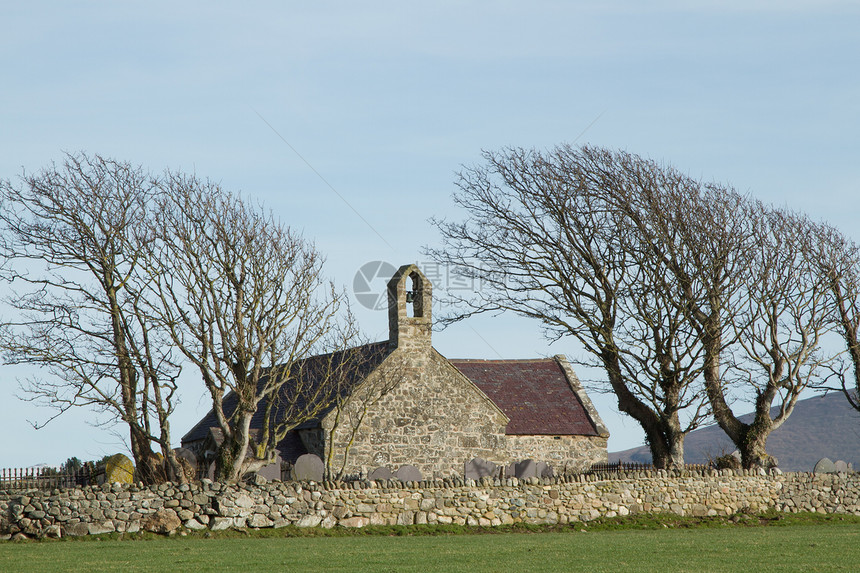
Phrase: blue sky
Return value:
(386, 100)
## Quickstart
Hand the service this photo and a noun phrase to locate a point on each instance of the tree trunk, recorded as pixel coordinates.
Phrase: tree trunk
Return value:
(225, 461)
(666, 444)
(848, 324)
(755, 435)
(173, 469)
(145, 460)
(720, 409)
(676, 450)
(753, 449)
(230, 459)
(749, 439)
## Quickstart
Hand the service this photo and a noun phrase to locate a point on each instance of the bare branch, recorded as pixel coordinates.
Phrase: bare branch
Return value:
(74, 251)
(245, 300)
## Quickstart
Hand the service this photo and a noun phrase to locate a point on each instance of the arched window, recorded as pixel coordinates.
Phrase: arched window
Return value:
(415, 297)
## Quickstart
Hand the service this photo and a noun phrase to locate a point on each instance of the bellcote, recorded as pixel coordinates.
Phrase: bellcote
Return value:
(410, 303)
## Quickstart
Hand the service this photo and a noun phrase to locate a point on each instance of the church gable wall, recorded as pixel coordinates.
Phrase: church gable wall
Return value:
(429, 417)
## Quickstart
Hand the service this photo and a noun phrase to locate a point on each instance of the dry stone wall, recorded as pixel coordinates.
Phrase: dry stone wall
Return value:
(488, 502)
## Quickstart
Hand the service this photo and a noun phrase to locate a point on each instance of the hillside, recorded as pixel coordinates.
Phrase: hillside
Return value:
(819, 427)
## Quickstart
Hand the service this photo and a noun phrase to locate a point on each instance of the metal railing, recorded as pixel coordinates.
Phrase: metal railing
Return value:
(44, 478)
(635, 467)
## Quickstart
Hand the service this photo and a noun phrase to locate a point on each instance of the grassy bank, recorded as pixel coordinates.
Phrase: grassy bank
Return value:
(761, 543)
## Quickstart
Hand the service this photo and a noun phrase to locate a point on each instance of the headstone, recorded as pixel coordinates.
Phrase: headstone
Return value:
(188, 461)
(382, 473)
(408, 473)
(187, 455)
(478, 468)
(525, 469)
(824, 466)
(841, 466)
(544, 470)
(309, 467)
(119, 469)
(511, 470)
(273, 470)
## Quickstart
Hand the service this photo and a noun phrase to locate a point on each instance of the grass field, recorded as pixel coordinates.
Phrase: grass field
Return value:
(823, 546)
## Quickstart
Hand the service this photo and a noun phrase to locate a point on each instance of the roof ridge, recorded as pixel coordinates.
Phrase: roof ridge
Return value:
(544, 359)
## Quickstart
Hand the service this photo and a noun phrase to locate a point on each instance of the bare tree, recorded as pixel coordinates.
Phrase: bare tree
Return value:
(244, 299)
(74, 244)
(779, 330)
(557, 237)
(678, 288)
(748, 288)
(838, 259)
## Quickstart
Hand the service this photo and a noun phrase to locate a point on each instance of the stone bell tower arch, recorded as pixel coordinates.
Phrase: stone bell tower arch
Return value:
(410, 304)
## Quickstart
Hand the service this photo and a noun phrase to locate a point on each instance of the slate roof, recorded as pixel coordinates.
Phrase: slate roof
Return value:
(534, 394)
(361, 361)
(290, 448)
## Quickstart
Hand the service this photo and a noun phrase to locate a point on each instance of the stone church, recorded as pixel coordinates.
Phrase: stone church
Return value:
(404, 403)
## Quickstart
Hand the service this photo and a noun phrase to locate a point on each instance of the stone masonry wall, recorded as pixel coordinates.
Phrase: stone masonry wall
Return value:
(433, 419)
(566, 454)
(108, 508)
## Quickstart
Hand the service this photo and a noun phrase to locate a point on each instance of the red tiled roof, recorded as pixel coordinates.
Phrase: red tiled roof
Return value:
(534, 394)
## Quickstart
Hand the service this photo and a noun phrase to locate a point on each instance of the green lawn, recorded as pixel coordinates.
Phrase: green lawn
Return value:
(823, 547)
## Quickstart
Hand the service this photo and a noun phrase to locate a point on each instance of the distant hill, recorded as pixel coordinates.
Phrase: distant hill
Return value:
(819, 427)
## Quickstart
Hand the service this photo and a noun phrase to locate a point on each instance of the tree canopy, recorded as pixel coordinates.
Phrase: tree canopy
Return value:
(687, 294)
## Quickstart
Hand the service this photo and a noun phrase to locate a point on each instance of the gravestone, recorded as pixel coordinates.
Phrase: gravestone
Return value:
(382, 473)
(119, 469)
(841, 467)
(186, 455)
(824, 466)
(544, 470)
(526, 469)
(187, 461)
(273, 470)
(408, 473)
(478, 468)
(309, 467)
(511, 470)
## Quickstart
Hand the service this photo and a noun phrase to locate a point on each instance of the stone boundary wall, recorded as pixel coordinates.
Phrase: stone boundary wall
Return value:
(167, 507)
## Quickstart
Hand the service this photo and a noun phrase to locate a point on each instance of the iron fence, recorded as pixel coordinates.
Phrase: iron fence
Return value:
(635, 467)
(45, 478)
